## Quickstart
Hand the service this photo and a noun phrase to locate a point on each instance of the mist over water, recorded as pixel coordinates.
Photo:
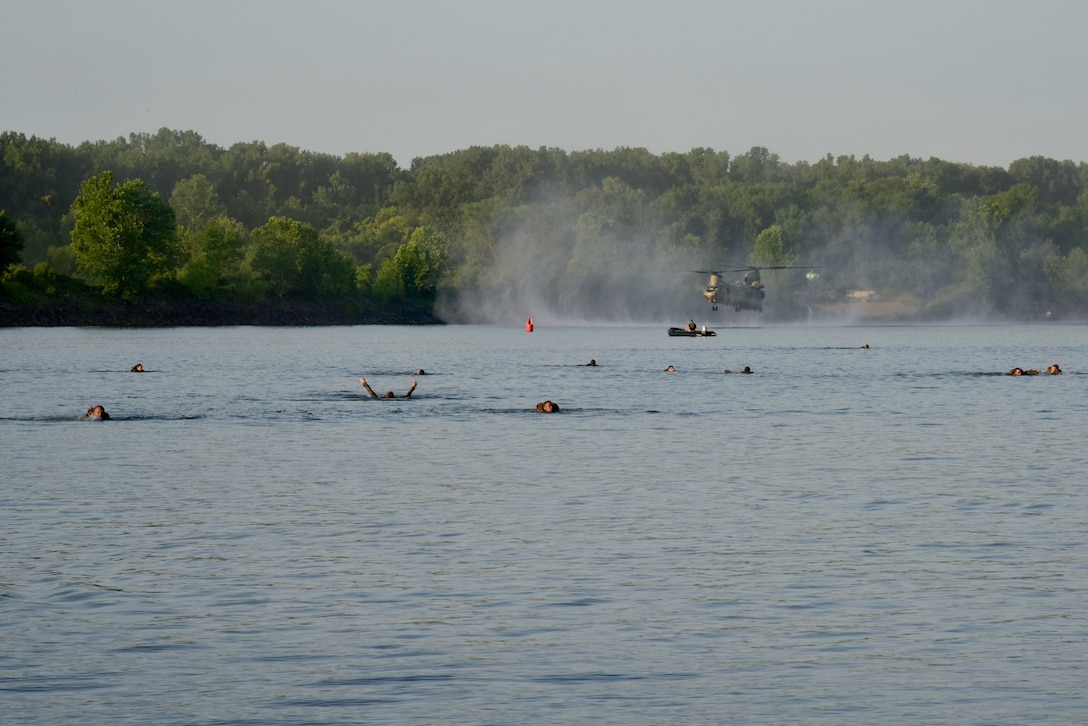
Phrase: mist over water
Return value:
(580, 278)
(639, 297)
(584, 272)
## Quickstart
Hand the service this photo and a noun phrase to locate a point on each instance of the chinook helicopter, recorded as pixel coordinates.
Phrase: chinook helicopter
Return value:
(743, 294)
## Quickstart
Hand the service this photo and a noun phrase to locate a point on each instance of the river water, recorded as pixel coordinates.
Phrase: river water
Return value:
(892, 534)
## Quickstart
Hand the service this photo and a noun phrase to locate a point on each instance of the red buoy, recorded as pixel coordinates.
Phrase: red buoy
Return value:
(529, 325)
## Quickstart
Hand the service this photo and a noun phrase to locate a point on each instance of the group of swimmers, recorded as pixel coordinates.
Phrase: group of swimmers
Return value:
(98, 413)
(542, 407)
(1052, 370)
(672, 369)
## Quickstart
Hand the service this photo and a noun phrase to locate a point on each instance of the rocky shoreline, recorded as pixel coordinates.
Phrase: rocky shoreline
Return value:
(161, 314)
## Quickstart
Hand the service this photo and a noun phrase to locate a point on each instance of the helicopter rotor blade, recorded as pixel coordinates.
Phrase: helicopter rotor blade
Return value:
(759, 268)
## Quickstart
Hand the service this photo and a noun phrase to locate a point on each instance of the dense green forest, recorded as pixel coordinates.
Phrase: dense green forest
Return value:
(492, 234)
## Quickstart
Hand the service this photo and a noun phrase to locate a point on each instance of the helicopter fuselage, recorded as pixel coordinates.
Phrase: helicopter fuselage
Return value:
(744, 294)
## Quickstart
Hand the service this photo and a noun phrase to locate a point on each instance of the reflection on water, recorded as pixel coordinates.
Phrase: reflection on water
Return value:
(846, 536)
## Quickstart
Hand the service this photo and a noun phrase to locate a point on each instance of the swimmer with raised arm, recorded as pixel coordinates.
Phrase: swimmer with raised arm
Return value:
(388, 394)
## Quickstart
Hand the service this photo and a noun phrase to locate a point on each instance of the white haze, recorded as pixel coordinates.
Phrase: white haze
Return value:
(531, 276)
(565, 272)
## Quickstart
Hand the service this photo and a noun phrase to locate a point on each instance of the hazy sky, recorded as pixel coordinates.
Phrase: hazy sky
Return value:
(976, 81)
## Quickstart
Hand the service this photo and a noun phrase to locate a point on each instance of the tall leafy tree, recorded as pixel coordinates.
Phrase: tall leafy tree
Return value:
(294, 260)
(374, 238)
(770, 248)
(413, 273)
(124, 235)
(215, 250)
(11, 242)
(195, 202)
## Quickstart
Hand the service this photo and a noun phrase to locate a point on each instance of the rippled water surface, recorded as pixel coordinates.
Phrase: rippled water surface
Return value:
(896, 534)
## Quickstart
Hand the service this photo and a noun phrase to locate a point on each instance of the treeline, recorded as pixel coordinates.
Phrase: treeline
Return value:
(490, 233)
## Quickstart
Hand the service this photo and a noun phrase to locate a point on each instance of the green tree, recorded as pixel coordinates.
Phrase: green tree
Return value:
(474, 251)
(758, 165)
(1075, 276)
(294, 260)
(413, 273)
(11, 242)
(124, 236)
(195, 202)
(373, 238)
(216, 250)
(770, 249)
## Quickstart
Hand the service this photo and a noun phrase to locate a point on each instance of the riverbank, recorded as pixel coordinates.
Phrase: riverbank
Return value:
(82, 313)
